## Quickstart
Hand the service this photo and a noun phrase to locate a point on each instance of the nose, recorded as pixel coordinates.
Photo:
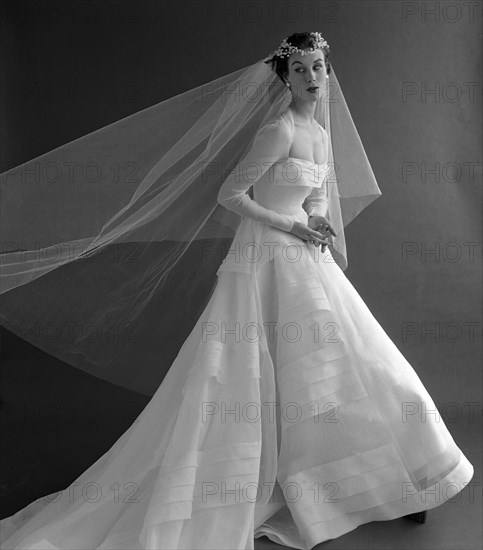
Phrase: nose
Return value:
(310, 76)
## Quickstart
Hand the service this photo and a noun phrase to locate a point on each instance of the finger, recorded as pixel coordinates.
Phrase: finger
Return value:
(315, 235)
(327, 228)
(327, 233)
(321, 243)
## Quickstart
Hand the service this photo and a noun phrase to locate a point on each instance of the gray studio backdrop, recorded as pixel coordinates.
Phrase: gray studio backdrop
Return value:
(410, 75)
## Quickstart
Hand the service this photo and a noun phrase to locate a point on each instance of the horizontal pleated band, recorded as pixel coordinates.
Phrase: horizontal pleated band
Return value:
(205, 479)
(228, 362)
(324, 357)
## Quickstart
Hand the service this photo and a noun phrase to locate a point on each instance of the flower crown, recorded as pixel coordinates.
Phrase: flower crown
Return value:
(285, 49)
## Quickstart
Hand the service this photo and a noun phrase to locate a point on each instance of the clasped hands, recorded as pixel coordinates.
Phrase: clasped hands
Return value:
(318, 231)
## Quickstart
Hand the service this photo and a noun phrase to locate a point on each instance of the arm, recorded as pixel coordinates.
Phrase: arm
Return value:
(317, 203)
(270, 144)
(316, 206)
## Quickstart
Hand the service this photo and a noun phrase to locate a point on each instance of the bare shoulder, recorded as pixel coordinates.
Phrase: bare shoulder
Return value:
(322, 129)
(276, 128)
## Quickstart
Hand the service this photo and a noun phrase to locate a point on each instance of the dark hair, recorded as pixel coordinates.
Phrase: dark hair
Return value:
(302, 40)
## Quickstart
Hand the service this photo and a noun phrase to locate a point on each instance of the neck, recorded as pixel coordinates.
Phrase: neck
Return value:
(304, 110)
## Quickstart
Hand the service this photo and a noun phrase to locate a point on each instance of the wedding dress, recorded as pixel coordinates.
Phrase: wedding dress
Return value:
(288, 411)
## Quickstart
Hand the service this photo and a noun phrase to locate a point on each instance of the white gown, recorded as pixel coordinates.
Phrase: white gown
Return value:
(288, 411)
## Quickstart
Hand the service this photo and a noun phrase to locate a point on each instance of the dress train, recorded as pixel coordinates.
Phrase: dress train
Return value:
(288, 412)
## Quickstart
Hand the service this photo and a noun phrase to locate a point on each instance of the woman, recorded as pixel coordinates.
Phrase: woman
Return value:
(288, 411)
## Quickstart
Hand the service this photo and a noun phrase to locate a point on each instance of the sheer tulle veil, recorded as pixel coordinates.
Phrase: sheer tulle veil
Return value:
(110, 243)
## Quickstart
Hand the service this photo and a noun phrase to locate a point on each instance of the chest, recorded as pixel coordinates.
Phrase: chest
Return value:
(308, 143)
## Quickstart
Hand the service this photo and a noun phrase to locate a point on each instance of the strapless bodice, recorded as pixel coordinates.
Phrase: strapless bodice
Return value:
(288, 182)
(294, 171)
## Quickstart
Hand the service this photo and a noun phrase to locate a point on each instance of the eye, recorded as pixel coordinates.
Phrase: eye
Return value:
(315, 67)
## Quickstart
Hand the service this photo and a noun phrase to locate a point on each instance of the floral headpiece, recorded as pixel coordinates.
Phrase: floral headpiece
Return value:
(285, 49)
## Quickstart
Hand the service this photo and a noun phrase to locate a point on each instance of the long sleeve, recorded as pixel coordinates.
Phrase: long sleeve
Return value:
(316, 204)
(270, 145)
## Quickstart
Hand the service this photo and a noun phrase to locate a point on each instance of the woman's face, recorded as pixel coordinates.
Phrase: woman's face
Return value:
(304, 72)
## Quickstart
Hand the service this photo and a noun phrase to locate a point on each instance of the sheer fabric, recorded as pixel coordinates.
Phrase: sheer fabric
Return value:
(281, 412)
(282, 415)
(99, 237)
(270, 155)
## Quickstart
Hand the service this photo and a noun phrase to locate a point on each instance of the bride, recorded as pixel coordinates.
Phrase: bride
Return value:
(288, 411)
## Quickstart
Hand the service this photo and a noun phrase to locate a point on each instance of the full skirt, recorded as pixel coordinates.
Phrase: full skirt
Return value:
(288, 412)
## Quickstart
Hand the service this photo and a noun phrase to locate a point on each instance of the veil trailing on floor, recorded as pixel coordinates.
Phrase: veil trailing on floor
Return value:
(110, 243)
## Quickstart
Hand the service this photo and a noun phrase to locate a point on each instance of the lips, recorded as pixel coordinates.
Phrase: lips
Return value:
(312, 89)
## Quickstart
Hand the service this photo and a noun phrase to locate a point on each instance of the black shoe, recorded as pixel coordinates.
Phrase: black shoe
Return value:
(420, 517)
